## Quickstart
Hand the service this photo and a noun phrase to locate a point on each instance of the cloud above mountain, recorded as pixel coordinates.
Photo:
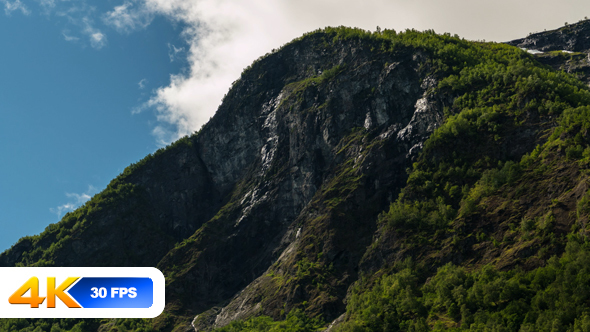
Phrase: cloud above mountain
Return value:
(74, 200)
(224, 36)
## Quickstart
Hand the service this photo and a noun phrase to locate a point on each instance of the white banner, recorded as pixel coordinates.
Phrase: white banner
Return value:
(81, 292)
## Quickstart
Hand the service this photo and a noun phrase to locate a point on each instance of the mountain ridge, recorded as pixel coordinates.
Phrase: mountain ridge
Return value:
(335, 165)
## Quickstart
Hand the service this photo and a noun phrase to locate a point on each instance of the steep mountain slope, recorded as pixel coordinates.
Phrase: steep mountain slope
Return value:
(289, 144)
(350, 172)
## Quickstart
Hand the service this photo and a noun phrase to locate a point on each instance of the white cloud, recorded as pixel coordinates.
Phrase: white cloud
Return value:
(47, 6)
(163, 135)
(223, 37)
(74, 201)
(15, 5)
(139, 108)
(142, 84)
(174, 52)
(47, 3)
(128, 17)
(67, 37)
(96, 38)
(78, 16)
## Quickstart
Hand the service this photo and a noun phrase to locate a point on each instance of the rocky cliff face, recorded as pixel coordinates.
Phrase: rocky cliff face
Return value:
(314, 152)
(306, 149)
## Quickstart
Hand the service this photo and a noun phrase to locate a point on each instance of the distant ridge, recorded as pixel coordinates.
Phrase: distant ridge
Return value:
(572, 37)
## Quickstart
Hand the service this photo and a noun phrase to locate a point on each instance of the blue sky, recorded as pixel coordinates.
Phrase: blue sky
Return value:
(88, 87)
(67, 126)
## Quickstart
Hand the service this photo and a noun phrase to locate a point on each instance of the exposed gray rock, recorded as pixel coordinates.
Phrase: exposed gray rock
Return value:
(303, 131)
(573, 37)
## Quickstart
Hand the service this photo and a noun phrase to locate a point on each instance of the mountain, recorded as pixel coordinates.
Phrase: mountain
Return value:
(571, 38)
(566, 48)
(358, 181)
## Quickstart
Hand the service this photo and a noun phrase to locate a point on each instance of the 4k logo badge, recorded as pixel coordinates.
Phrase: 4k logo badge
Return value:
(34, 300)
(54, 292)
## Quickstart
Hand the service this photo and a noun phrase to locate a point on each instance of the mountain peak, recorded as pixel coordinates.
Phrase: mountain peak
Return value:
(571, 37)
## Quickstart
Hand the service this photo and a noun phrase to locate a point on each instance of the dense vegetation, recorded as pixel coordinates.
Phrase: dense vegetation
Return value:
(500, 92)
(296, 321)
(550, 298)
(48, 325)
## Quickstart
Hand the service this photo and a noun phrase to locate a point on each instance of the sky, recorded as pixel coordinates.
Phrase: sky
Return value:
(88, 87)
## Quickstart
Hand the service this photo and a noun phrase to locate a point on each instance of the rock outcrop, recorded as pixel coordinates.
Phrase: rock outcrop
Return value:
(566, 48)
(573, 37)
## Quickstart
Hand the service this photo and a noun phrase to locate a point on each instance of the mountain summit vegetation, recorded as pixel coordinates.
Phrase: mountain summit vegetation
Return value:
(360, 181)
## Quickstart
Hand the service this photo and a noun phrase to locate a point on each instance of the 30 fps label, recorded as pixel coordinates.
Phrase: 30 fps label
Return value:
(84, 292)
